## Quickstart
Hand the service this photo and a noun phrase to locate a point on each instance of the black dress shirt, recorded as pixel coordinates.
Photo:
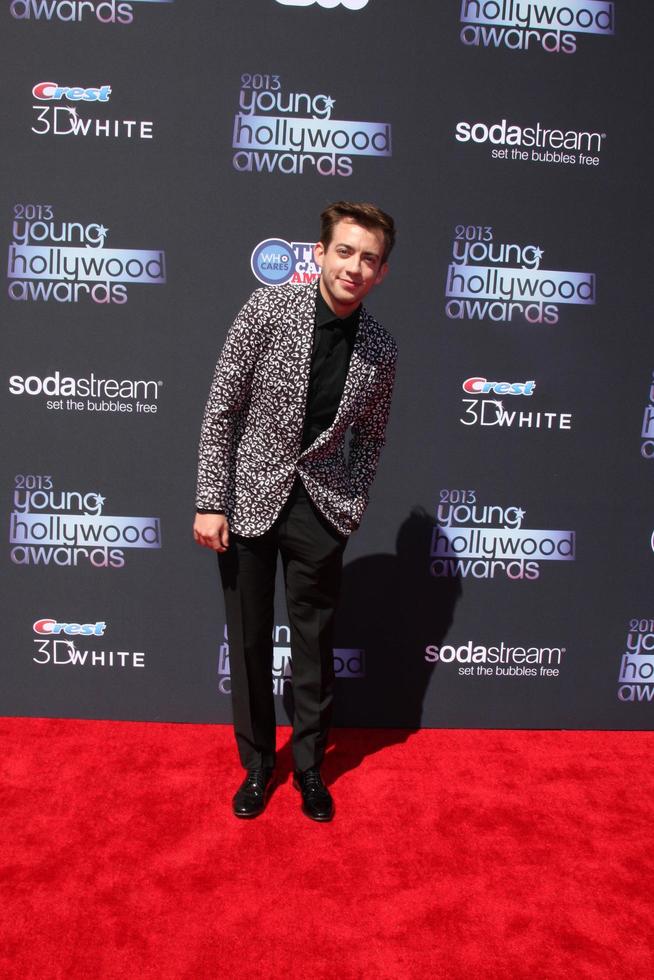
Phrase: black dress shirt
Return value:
(333, 340)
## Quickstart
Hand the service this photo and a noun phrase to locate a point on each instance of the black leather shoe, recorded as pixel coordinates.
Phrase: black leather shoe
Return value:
(252, 795)
(317, 802)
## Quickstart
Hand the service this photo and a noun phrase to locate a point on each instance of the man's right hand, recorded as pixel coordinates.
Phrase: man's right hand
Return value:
(212, 531)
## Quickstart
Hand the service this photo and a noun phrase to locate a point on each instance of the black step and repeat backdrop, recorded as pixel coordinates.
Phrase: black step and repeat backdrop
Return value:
(162, 160)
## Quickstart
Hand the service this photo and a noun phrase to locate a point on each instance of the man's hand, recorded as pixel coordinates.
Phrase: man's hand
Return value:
(212, 531)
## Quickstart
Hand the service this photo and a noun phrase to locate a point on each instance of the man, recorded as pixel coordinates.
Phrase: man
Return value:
(301, 365)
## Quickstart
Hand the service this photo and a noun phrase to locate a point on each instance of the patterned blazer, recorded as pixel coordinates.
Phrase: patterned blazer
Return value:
(251, 435)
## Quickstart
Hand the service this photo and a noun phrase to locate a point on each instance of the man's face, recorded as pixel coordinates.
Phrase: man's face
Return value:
(351, 265)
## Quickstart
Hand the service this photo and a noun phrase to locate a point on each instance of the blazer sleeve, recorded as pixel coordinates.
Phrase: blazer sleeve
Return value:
(369, 431)
(228, 397)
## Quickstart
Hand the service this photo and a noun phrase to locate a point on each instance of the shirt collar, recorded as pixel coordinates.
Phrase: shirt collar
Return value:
(326, 316)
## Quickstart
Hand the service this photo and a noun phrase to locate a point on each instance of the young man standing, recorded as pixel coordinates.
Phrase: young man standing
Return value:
(301, 365)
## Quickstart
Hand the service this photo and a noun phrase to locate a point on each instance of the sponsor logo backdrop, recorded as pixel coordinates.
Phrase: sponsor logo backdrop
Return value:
(164, 159)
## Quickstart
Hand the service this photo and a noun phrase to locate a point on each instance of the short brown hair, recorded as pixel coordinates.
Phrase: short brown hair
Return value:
(365, 214)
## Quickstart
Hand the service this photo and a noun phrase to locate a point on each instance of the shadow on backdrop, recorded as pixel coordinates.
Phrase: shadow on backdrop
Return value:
(391, 608)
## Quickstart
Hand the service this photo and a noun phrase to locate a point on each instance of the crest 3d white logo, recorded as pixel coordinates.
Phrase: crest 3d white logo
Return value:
(349, 4)
(58, 117)
(55, 647)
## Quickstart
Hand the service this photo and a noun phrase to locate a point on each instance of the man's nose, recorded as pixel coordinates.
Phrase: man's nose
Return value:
(354, 265)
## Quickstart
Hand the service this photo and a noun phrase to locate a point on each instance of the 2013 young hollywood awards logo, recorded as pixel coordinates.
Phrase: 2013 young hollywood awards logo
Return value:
(485, 541)
(91, 393)
(278, 131)
(494, 404)
(535, 143)
(348, 664)
(489, 279)
(275, 262)
(68, 528)
(63, 113)
(500, 660)
(647, 429)
(72, 644)
(636, 677)
(66, 261)
(75, 11)
(552, 25)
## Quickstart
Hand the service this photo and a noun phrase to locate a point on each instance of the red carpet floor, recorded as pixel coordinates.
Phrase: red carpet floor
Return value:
(454, 854)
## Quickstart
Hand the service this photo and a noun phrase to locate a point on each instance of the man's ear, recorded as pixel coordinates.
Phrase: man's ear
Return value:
(318, 252)
(381, 275)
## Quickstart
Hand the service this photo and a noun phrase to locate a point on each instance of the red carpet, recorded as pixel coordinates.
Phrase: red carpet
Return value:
(454, 854)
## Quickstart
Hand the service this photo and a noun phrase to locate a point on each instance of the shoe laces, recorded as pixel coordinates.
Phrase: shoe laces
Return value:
(312, 779)
(256, 779)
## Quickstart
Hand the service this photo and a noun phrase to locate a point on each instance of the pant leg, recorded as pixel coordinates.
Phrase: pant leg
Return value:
(312, 555)
(247, 570)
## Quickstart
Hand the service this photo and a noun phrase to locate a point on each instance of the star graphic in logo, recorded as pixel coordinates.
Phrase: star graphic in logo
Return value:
(328, 103)
(102, 234)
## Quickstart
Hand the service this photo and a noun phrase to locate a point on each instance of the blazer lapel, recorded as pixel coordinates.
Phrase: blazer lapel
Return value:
(295, 346)
(359, 371)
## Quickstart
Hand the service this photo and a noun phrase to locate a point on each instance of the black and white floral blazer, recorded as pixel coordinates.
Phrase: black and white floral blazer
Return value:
(251, 435)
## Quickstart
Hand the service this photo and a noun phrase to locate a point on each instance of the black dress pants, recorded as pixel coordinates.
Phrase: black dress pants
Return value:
(312, 559)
